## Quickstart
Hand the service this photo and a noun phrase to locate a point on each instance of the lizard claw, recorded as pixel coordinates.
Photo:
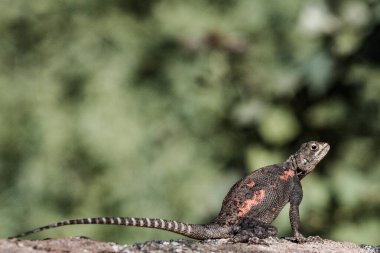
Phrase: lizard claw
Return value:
(314, 238)
(247, 239)
(291, 239)
(255, 240)
(298, 238)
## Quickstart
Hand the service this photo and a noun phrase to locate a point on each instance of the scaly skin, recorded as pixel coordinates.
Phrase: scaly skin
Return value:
(248, 209)
(261, 195)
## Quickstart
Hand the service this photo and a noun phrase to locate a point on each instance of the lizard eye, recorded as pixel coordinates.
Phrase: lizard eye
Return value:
(314, 147)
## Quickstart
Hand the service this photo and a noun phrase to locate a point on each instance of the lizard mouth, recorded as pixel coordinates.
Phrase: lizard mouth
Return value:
(323, 151)
(301, 173)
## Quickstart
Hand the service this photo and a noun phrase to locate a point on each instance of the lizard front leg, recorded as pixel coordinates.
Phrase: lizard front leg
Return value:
(294, 216)
(295, 201)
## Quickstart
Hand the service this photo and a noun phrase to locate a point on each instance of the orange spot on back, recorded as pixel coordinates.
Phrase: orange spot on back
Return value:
(287, 174)
(251, 184)
(257, 197)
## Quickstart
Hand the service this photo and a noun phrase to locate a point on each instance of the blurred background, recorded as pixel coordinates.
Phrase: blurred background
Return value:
(155, 108)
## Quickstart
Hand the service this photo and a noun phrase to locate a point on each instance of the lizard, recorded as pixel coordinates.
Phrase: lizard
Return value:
(247, 210)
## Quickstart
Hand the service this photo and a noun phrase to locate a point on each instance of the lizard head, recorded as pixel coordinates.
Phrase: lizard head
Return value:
(308, 156)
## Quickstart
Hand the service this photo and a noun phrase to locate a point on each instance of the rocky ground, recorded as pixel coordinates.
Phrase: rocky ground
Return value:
(67, 245)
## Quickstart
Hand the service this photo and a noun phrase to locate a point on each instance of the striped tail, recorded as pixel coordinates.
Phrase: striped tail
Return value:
(194, 231)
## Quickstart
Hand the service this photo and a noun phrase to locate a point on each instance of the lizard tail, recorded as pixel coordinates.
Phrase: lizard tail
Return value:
(195, 231)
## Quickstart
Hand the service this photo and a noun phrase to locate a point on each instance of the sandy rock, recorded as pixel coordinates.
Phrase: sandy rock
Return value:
(67, 245)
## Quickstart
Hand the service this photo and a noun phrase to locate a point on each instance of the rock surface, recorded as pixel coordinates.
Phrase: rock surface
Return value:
(67, 245)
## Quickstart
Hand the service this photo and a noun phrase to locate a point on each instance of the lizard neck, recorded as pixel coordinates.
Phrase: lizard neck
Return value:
(293, 162)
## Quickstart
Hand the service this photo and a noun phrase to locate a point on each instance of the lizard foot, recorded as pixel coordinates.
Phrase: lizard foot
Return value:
(253, 228)
(255, 240)
(247, 239)
(252, 231)
(314, 238)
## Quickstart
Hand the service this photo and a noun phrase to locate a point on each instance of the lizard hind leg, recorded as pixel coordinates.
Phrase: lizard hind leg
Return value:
(259, 229)
(252, 231)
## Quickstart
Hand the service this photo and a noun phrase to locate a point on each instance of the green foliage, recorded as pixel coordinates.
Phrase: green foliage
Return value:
(155, 108)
